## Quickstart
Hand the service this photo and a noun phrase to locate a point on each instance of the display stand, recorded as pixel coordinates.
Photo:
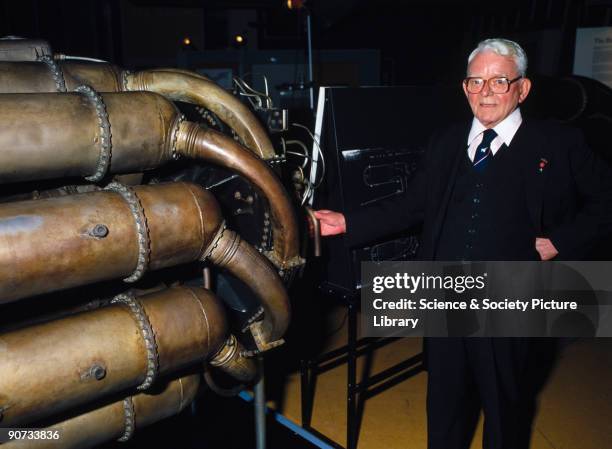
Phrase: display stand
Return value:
(357, 392)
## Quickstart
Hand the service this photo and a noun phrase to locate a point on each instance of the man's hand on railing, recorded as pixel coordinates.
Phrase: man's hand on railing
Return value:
(331, 222)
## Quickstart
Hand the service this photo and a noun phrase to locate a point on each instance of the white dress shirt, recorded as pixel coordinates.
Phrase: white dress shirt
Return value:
(506, 129)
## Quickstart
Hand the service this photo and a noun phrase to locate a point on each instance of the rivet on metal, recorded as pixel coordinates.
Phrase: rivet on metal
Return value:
(99, 231)
(98, 372)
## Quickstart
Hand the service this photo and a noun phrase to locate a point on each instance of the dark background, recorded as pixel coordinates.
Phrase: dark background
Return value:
(420, 41)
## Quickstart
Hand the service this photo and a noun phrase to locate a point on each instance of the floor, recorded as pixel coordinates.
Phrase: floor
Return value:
(575, 405)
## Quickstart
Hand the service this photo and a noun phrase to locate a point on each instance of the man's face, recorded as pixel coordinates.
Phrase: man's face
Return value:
(488, 107)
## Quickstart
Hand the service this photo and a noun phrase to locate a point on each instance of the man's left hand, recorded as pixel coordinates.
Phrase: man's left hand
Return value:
(546, 249)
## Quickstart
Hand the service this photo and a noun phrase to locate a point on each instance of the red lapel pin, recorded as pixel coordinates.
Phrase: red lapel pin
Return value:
(542, 164)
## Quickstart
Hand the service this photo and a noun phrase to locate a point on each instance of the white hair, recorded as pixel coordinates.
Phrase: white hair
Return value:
(503, 47)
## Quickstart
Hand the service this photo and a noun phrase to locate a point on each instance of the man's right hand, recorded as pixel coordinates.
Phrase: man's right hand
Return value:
(332, 223)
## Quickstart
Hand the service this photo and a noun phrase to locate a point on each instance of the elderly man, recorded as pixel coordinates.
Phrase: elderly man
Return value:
(499, 188)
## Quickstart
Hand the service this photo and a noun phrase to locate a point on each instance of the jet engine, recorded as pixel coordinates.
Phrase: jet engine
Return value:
(123, 195)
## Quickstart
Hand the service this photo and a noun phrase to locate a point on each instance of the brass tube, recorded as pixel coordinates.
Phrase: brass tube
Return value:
(58, 135)
(174, 84)
(100, 76)
(53, 367)
(46, 136)
(108, 423)
(26, 77)
(20, 49)
(57, 243)
(182, 85)
(97, 236)
(212, 146)
(244, 262)
(231, 360)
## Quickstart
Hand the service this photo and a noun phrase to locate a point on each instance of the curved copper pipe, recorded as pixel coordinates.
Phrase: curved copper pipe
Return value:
(181, 85)
(53, 367)
(174, 84)
(212, 146)
(316, 230)
(108, 423)
(44, 136)
(231, 359)
(244, 262)
(144, 132)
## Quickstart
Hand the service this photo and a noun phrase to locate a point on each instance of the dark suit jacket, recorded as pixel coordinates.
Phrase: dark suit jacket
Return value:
(569, 200)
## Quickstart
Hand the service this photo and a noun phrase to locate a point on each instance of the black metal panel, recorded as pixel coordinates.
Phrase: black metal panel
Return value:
(373, 138)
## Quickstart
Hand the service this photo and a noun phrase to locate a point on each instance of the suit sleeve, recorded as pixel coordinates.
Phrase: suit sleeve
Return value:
(395, 214)
(592, 222)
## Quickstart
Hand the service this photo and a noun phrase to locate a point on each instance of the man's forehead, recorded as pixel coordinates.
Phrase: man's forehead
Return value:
(491, 64)
(490, 74)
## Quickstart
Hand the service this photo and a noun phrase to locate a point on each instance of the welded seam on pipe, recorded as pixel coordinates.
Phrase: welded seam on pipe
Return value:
(106, 143)
(215, 242)
(222, 357)
(56, 71)
(148, 335)
(233, 240)
(173, 138)
(144, 242)
(203, 231)
(124, 75)
(130, 420)
(208, 325)
(257, 316)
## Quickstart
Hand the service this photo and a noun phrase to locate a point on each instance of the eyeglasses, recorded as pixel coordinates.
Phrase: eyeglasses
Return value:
(497, 85)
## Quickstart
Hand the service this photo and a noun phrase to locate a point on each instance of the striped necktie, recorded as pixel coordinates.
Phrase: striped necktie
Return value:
(483, 152)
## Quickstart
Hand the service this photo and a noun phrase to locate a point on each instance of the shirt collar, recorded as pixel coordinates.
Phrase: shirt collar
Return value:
(506, 129)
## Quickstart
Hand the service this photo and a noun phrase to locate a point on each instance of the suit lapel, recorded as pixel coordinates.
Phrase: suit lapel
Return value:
(456, 153)
(535, 156)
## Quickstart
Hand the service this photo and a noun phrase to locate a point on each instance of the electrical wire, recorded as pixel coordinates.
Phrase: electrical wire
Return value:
(306, 190)
(295, 153)
(267, 92)
(306, 157)
(243, 93)
(301, 144)
(82, 58)
(247, 91)
(317, 184)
